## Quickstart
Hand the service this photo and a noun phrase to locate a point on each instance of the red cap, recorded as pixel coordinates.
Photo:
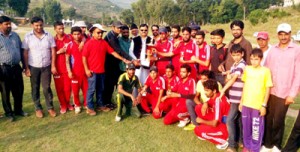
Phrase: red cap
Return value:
(262, 35)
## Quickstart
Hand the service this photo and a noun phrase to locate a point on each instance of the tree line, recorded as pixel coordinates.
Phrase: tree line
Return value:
(199, 11)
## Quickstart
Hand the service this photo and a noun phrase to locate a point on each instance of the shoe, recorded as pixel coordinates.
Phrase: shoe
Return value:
(201, 138)
(91, 112)
(230, 149)
(85, 107)
(265, 149)
(118, 119)
(39, 113)
(63, 110)
(189, 127)
(222, 146)
(22, 113)
(111, 106)
(183, 123)
(77, 110)
(275, 149)
(70, 107)
(11, 118)
(104, 109)
(52, 113)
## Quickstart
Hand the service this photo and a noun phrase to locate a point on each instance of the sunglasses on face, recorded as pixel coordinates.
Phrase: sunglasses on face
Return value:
(144, 30)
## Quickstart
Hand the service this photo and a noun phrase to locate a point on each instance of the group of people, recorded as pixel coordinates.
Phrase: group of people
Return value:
(229, 94)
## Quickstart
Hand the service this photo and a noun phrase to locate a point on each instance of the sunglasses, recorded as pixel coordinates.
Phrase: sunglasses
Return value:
(144, 30)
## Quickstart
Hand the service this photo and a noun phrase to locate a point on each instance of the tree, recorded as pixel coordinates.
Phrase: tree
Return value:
(52, 11)
(36, 12)
(20, 6)
(69, 13)
(127, 16)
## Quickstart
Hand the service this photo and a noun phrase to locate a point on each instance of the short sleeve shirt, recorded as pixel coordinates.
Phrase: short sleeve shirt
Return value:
(61, 58)
(75, 59)
(128, 84)
(155, 86)
(10, 48)
(186, 88)
(95, 52)
(172, 83)
(39, 49)
(235, 91)
(220, 107)
(256, 81)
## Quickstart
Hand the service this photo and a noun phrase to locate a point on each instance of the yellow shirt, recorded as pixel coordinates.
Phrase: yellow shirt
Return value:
(256, 81)
(200, 89)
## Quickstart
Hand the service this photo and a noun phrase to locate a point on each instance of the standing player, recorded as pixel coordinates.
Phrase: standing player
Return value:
(61, 79)
(186, 49)
(211, 127)
(204, 52)
(163, 45)
(154, 88)
(175, 41)
(75, 68)
(185, 90)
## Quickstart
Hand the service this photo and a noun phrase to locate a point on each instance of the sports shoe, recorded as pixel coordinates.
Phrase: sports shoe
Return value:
(201, 138)
(222, 146)
(183, 122)
(104, 109)
(265, 149)
(91, 112)
(63, 110)
(117, 119)
(189, 127)
(39, 114)
(52, 113)
(275, 149)
(77, 110)
(70, 107)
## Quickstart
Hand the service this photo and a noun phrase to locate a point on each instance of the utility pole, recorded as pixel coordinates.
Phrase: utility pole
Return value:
(244, 13)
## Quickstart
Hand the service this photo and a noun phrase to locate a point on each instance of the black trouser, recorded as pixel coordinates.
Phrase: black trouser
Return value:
(293, 143)
(111, 79)
(274, 127)
(11, 80)
(38, 76)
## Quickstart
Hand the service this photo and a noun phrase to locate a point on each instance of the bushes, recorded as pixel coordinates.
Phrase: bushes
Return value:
(262, 16)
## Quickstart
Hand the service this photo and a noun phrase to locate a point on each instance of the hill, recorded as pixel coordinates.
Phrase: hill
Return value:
(126, 4)
(91, 8)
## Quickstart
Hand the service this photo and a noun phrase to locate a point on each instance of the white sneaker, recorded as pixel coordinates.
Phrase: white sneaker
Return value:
(183, 123)
(222, 146)
(77, 110)
(117, 119)
(265, 149)
(275, 149)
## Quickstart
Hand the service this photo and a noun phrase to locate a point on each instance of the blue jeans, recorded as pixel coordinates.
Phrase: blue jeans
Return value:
(96, 84)
(234, 125)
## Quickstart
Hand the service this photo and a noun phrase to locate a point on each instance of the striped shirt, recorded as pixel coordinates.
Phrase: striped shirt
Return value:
(10, 48)
(39, 49)
(236, 90)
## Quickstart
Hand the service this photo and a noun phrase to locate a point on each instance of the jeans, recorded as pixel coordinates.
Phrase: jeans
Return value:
(95, 84)
(190, 105)
(38, 76)
(234, 125)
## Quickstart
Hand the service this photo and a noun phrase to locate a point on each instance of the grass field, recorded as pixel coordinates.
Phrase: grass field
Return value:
(70, 132)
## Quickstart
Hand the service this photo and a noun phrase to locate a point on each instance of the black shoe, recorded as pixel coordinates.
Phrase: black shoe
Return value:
(11, 118)
(22, 113)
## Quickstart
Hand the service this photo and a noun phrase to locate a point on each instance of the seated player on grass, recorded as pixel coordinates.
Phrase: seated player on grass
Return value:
(185, 90)
(152, 92)
(127, 81)
(211, 127)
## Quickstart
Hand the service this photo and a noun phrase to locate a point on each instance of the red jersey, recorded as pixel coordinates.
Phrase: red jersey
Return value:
(187, 51)
(176, 57)
(164, 47)
(220, 107)
(76, 58)
(186, 88)
(155, 86)
(95, 52)
(60, 62)
(204, 55)
(172, 83)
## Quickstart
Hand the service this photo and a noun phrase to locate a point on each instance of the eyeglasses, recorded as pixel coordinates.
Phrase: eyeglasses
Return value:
(144, 30)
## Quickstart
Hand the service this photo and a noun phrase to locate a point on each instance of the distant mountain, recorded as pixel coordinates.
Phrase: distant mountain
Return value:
(126, 4)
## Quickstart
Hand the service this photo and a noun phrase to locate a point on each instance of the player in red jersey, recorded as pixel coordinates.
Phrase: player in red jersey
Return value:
(61, 79)
(152, 92)
(185, 90)
(204, 52)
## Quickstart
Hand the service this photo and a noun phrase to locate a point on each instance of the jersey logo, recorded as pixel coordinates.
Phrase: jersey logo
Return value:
(73, 81)
(56, 76)
(189, 51)
(186, 88)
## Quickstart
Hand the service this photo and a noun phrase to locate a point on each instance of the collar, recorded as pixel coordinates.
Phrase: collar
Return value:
(32, 33)
(291, 45)
(10, 33)
(127, 78)
(242, 40)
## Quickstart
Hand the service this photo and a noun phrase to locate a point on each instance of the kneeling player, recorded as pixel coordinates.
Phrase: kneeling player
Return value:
(211, 127)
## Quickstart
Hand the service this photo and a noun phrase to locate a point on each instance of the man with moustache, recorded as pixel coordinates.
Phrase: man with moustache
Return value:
(284, 62)
(134, 30)
(11, 80)
(39, 58)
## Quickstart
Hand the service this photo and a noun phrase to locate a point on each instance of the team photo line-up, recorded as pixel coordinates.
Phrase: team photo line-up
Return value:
(229, 94)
